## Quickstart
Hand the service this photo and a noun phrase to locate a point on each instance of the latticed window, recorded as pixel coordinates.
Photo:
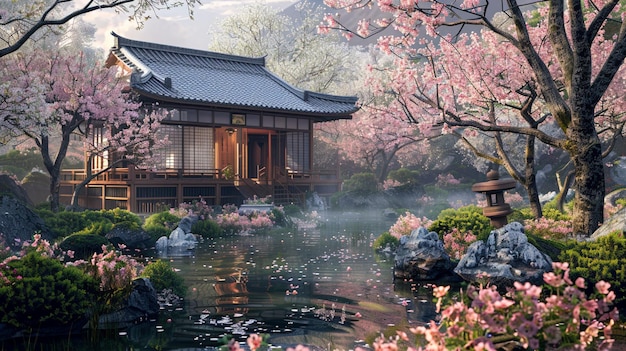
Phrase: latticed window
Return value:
(297, 145)
(190, 148)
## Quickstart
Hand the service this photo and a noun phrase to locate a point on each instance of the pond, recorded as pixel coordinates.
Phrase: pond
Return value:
(321, 286)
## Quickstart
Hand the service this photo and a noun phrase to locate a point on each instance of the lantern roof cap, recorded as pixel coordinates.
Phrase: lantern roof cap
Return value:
(494, 183)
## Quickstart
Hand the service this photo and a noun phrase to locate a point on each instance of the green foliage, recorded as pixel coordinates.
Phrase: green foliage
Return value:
(63, 223)
(598, 260)
(162, 276)
(551, 248)
(552, 213)
(84, 245)
(467, 218)
(279, 218)
(520, 215)
(118, 215)
(160, 224)
(362, 184)
(43, 292)
(384, 240)
(293, 211)
(207, 228)
(100, 227)
(404, 175)
(165, 219)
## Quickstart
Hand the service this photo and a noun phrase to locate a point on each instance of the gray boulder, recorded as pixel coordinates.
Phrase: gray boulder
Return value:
(186, 223)
(421, 256)
(506, 257)
(139, 307)
(18, 223)
(617, 223)
(131, 238)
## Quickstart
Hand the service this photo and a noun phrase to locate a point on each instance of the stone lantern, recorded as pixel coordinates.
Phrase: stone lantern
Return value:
(496, 209)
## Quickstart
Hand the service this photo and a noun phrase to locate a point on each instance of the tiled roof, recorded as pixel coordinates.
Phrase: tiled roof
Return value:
(203, 77)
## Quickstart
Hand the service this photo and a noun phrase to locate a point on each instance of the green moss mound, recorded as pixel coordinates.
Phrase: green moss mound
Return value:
(42, 292)
(162, 276)
(207, 229)
(384, 240)
(603, 259)
(467, 218)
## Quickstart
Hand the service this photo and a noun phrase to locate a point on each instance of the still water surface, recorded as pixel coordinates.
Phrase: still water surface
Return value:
(322, 286)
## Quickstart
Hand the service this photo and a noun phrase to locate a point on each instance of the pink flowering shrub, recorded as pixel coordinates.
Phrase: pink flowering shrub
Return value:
(407, 223)
(557, 315)
(457, 242)
(448, 179)
(195, 208)
(255, 342)
(234, 223)
(114, 271)
(548, 228)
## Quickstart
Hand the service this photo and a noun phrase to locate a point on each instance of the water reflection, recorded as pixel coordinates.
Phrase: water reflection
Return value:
(322, 286)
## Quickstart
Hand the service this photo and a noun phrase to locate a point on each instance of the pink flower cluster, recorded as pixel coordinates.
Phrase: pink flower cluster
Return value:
(407, 223)
(482, 318)
(235, 223)
(447, 179)
(255, 341)
(456, 243)
(549, 228)
(115, 271)
(198, 208)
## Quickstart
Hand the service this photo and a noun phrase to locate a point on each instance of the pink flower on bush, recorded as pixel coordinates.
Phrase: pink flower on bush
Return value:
(254, 341)
(456, 243)
(566, 318)
(407, 223)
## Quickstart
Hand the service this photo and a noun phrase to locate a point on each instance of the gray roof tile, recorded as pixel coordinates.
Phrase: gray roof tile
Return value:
(205, 77)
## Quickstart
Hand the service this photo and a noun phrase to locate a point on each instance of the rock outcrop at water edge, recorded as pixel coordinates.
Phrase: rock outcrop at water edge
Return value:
(506, 257)
(421, 256)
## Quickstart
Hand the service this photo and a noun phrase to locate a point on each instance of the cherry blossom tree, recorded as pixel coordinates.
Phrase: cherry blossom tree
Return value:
(50, 98)
(293, 49)
(22, 20)
(540, 63)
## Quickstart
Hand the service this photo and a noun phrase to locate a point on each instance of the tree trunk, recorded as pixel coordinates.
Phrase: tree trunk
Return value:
(55, 186)
(589, 186)
(531, 178)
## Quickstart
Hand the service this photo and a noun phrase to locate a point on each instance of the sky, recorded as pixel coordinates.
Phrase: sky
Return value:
(172, 27)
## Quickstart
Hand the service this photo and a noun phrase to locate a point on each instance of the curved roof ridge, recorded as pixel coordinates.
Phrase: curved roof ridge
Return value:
(121, 41)
(305, 94)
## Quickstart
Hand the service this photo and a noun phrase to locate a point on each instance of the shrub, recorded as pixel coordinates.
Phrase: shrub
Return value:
(362, 184)
(280, 218)
(602, 259)
(457, 242)
(207, 228)
(100, 227)
(293, 211)
(162, 276)
(561, 316)
(118, 215)
(63, 223)
(164, 219)
(465, 219)
(385, 240)
(548, 228)
(406, 224)
(404, 176)
(84, 245)
(160, 224)
(42, 292)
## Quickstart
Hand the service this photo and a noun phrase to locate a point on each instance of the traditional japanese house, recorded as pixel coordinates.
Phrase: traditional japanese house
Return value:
(235, 130)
